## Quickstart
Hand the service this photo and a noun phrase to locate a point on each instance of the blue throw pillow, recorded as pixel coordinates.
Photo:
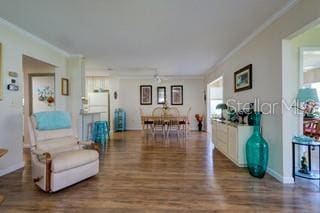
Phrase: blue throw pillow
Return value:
(52, 120)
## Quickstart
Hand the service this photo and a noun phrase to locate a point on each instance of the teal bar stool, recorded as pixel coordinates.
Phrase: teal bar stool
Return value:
(100, 131)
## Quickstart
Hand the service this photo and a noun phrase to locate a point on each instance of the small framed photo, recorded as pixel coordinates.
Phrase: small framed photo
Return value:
(161, 95)
(65, 86)
(243, 79)
(145, 95)
(177, 95)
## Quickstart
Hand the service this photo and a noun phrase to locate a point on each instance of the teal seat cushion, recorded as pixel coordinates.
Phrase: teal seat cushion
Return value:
(52, 120)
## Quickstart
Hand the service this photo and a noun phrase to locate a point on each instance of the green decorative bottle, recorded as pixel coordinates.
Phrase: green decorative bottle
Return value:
(257, 150)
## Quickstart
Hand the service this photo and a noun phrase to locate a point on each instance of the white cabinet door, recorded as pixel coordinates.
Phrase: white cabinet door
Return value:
(233, 143)
(222, 138)
(214, 132)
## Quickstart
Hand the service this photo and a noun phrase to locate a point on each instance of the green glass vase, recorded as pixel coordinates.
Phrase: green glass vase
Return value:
(257, 150)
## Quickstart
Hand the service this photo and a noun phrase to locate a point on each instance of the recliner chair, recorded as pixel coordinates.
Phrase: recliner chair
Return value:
(59, 159)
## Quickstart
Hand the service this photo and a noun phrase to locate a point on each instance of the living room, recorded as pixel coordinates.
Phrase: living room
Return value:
(141, 56)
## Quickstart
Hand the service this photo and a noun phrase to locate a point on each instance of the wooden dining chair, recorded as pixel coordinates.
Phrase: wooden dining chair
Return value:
(311, 128)
(158, 121)
(173, 121)
(146, 123)
(185, 123)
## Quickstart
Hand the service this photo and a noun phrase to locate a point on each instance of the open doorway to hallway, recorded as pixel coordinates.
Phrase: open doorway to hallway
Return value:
(215, 97)
(301, 80)
(38, 91)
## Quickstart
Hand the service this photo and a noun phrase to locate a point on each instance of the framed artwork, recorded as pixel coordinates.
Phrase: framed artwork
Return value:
(177, 95)
(41, 92)
(161, 95)
(64, 86)
(243, 79)
(145, 95)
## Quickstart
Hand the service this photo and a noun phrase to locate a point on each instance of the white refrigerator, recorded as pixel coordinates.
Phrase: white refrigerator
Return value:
(99, 102)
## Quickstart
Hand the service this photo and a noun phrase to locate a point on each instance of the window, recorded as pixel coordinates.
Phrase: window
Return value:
(215, 97)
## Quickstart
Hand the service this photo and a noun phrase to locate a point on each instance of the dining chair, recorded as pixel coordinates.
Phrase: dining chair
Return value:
(185, 122)
(158, 121)
(173, 121)
(311, 128)
(145, 122)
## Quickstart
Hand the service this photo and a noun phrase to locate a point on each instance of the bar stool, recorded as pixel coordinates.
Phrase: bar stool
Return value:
(100, 132)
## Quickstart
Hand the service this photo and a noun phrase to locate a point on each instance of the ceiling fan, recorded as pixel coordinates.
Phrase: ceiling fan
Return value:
(159, 78)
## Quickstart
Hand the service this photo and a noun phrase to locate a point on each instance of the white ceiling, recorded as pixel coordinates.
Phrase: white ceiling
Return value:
(177, 37)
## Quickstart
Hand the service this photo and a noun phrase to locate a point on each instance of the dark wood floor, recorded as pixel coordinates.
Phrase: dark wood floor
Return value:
(142, 175)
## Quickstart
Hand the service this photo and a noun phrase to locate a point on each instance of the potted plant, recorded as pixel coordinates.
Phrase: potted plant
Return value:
(199, 118)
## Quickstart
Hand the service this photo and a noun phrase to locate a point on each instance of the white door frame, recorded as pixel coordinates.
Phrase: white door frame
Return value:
(209, 129)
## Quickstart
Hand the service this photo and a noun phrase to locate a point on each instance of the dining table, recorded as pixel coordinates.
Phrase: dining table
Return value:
(164, 118)
(2, 153)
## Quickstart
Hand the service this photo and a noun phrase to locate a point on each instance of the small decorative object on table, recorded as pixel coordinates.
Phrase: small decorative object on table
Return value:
(199, 118)
(251, 115)
(232, 114)
(242, 113)
(304, 166)
(257, 150)
(222, 107)
(165, 105)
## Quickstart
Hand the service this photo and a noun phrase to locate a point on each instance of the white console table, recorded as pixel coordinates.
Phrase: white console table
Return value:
(230, 139)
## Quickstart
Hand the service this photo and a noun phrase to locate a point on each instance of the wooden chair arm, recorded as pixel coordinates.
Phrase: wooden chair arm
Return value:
(48, 161)
(89, 145)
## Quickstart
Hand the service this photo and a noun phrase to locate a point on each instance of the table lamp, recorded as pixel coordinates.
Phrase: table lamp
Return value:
(222, 107)
(309, 97)
(307, 94)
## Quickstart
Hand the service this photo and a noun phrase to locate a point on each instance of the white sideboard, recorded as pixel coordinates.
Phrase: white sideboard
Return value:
(230, 139)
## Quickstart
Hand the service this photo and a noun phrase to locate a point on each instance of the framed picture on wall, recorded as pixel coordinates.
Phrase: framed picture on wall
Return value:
(65, 86)
(145, 95)
(177, 95)
(161, 95)
(243, 79)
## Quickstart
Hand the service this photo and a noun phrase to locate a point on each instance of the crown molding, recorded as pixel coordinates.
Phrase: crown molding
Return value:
(165, 77)
(32, 36)
(265, 25)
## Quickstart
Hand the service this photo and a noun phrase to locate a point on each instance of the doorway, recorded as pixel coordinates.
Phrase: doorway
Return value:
(38, 92)
(301, 69)
(215, 97)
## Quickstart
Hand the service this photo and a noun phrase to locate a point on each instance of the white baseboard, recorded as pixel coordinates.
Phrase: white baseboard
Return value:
(287, 180)
(11, 168)
(279, 177)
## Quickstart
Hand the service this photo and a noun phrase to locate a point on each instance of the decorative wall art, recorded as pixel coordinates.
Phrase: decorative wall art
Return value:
(42, 92)
(64, 86)
(145, 95)
(161, 95)
(243, 79)
(177, 95)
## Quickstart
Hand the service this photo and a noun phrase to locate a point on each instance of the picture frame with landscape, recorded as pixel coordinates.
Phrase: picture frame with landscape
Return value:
(243, 79)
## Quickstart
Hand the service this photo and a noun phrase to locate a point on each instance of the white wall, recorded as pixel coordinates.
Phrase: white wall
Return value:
(15, 44)
(265, 53)
(76, 76)
(129, 98)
